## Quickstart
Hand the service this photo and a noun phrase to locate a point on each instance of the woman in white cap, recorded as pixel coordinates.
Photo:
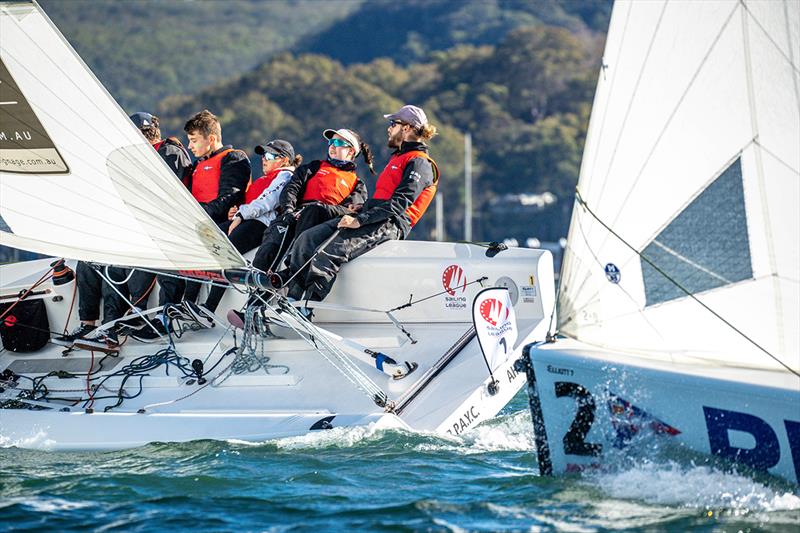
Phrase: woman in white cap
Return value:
(403, 192)
(317, 192)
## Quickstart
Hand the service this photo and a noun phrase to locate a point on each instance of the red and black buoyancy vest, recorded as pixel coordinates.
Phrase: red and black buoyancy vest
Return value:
(329, 185)
(205, 178)
(258, 186)
(392, 175)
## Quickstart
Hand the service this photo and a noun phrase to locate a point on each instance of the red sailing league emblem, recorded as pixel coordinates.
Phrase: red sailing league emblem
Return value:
(454, 279)
(493, 311)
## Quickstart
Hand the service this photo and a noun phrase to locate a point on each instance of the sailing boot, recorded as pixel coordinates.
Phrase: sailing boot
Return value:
(69, 339)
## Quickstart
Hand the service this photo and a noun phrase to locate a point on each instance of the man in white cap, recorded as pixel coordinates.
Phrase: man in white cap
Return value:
(403, 192)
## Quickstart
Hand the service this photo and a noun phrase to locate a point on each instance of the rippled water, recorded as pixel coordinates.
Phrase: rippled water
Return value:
(376, 480)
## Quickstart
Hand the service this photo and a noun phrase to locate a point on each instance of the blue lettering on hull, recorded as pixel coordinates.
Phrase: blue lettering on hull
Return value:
(766, 451)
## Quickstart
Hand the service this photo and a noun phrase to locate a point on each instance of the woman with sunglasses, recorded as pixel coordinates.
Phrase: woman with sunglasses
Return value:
(317, 192)
(403, 192)
(246, 223)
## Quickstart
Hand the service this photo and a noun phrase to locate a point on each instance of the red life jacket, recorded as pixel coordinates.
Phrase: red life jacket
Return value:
(330, 185)
(392, 175)
(205, 178)
(258, 186)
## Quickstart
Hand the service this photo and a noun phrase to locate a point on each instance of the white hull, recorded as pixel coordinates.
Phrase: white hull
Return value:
(592, 403)
(303, 391)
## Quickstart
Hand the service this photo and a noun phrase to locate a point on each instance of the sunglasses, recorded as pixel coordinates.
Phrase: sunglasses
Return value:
(338, 143)
(393, 123)
(269, 156)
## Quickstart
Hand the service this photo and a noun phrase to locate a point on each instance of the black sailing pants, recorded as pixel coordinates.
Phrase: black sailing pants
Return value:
(317, 279)
(280, 235)
(92, 288)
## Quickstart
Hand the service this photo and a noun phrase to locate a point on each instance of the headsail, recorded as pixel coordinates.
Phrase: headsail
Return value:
(77, 179)
(685, 238)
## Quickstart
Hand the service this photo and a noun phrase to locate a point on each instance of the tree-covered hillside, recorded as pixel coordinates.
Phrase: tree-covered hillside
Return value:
(146, 50)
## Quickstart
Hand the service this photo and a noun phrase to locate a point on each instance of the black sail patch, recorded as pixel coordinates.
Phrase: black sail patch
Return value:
(25, 146)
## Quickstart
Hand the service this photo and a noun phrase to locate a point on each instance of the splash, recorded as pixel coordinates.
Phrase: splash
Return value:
(501, 434)
(693, 487)
(38, 441)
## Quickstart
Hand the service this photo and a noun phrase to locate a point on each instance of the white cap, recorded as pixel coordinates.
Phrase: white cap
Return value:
(345, 134)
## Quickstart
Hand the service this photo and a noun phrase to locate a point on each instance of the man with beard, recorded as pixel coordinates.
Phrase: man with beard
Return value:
(403, 192)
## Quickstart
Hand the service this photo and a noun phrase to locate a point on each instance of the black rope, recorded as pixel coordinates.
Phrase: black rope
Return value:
(688, 293)
(410, 302)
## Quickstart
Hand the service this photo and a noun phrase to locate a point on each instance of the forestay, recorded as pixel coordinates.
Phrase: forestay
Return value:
(686, 243)
(77, 179)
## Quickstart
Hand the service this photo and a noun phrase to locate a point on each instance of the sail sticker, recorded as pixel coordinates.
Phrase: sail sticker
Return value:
(25, 146)
(612, 273)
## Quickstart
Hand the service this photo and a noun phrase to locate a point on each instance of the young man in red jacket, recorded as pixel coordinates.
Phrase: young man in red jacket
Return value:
(218, 182)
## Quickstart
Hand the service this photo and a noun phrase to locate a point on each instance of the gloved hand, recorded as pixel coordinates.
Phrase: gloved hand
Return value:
(288, 218)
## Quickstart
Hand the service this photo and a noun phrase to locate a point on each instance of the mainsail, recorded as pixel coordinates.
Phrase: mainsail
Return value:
(685, 239)
(77, 179)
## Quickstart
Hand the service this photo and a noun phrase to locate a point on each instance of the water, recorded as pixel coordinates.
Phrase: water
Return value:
(376, 480)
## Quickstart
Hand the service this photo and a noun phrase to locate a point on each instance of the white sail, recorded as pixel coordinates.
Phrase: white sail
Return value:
(77, 179)
(693, 161)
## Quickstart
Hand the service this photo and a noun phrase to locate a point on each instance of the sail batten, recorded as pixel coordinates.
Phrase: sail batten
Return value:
(77, 179)
(691, 163)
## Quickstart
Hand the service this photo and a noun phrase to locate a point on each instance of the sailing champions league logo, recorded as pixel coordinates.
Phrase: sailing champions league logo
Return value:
(454, 281)
(493, 311)
(496, 315)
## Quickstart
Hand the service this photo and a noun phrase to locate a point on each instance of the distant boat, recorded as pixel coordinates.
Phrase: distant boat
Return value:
(680, 297)
(415, 335)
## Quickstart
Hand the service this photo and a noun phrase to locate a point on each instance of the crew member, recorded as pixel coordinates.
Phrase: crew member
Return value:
(317, 192)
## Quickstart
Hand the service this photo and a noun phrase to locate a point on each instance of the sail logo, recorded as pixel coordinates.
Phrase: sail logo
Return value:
(612, 273)
(454, 281)
(10, 321)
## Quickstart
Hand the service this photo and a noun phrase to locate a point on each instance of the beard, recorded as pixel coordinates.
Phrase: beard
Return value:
(395, 140)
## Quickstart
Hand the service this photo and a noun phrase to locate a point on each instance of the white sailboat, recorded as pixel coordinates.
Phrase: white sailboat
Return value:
(680, 295)
(77, 180)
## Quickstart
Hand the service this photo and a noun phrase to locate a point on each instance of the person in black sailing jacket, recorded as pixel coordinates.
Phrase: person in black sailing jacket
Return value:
(136, 285)
(317, 192)
(403, 192)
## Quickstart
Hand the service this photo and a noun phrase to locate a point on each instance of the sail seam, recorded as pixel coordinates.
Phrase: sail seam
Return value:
(632, 99)
(762, 187)
(691, 263)
(613, 82)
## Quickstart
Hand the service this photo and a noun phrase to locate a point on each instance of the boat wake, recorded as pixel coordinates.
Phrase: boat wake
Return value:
(510, 432)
